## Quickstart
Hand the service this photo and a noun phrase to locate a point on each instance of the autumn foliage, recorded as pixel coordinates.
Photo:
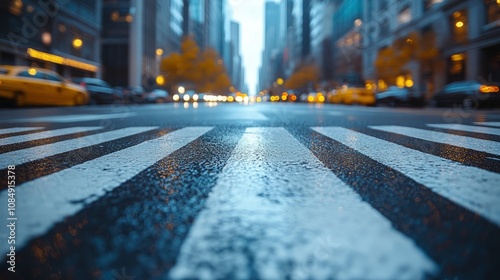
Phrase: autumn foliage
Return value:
(201, 70)
(303, 76)
(391, 61)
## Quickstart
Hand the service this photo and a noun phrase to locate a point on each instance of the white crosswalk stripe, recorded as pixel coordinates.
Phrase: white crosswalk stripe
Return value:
(462, 184)
(497, 124)
(47, 200)
(296, 226)
(17, 129)
(468, 128)
(46, 134)
(40, 152)
(486, 146)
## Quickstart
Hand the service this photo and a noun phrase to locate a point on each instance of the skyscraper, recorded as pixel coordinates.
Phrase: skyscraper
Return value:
(236, 60)
(271, 43)
(204, 20)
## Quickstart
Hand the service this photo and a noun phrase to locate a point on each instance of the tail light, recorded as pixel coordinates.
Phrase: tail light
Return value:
(488, 89)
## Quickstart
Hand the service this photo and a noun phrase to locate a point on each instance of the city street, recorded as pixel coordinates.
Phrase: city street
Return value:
(256, 191)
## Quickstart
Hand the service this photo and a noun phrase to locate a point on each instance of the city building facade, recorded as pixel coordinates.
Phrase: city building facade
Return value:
(301, 46)
(346, 39)
(136, 36)
(271, 53)
(322, 12)
(235, 62)
(452, 41)
(286, 38)
(63, 36)
(205, 21)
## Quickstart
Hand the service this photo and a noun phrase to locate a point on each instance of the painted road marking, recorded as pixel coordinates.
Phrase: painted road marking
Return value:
(43, 151)
(17, 129)
(481, 145)
(497, 124)
(46, 134)
(468, 128)
(49, 199)
(277, 211)
(75, 118)
(473, 188)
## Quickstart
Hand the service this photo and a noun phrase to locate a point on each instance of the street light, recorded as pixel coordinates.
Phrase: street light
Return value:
(46, 38)
(77, 43)
(181, 89)
(159, 52)
(160, 80)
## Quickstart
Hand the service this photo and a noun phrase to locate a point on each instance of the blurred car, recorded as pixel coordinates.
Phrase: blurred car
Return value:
(22, 85)
(394, 96)
(118, 91)
(157, 96)
(100, 92)
(352, 95)
(315, 97)
(468, 94)
(135, 94)
(191, 96)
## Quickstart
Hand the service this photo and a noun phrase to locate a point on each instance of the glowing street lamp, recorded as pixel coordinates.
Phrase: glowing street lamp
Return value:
(46, 38)
(77, 43)
(160, 80)
(181, 89)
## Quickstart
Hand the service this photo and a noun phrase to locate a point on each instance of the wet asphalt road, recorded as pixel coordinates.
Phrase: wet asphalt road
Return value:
(265, 191)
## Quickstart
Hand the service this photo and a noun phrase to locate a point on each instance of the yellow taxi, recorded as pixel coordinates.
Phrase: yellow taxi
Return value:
(23, 85)
(352, 95)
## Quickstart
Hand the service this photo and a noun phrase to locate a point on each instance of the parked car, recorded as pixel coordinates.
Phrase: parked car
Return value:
(352, 95)
(119, 92)
(157, 96)
(395, 96)
(22, 85)
(100, 92)
(468, 94)
(134, 94)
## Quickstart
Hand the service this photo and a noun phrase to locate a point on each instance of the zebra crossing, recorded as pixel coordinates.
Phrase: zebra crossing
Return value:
(274, 198)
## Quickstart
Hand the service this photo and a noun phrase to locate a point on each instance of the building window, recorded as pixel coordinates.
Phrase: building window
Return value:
(493, 10)
(456, 71)
(459, 26)
(404, 16)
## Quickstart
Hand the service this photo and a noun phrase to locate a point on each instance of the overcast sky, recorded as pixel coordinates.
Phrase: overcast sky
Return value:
(250, 15)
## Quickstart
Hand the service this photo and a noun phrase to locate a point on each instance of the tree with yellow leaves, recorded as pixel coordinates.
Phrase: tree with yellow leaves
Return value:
(303, 76)
(204, 71)
(392, 60)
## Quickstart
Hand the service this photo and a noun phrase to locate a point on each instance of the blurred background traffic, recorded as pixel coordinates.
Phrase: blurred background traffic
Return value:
(387, 52)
